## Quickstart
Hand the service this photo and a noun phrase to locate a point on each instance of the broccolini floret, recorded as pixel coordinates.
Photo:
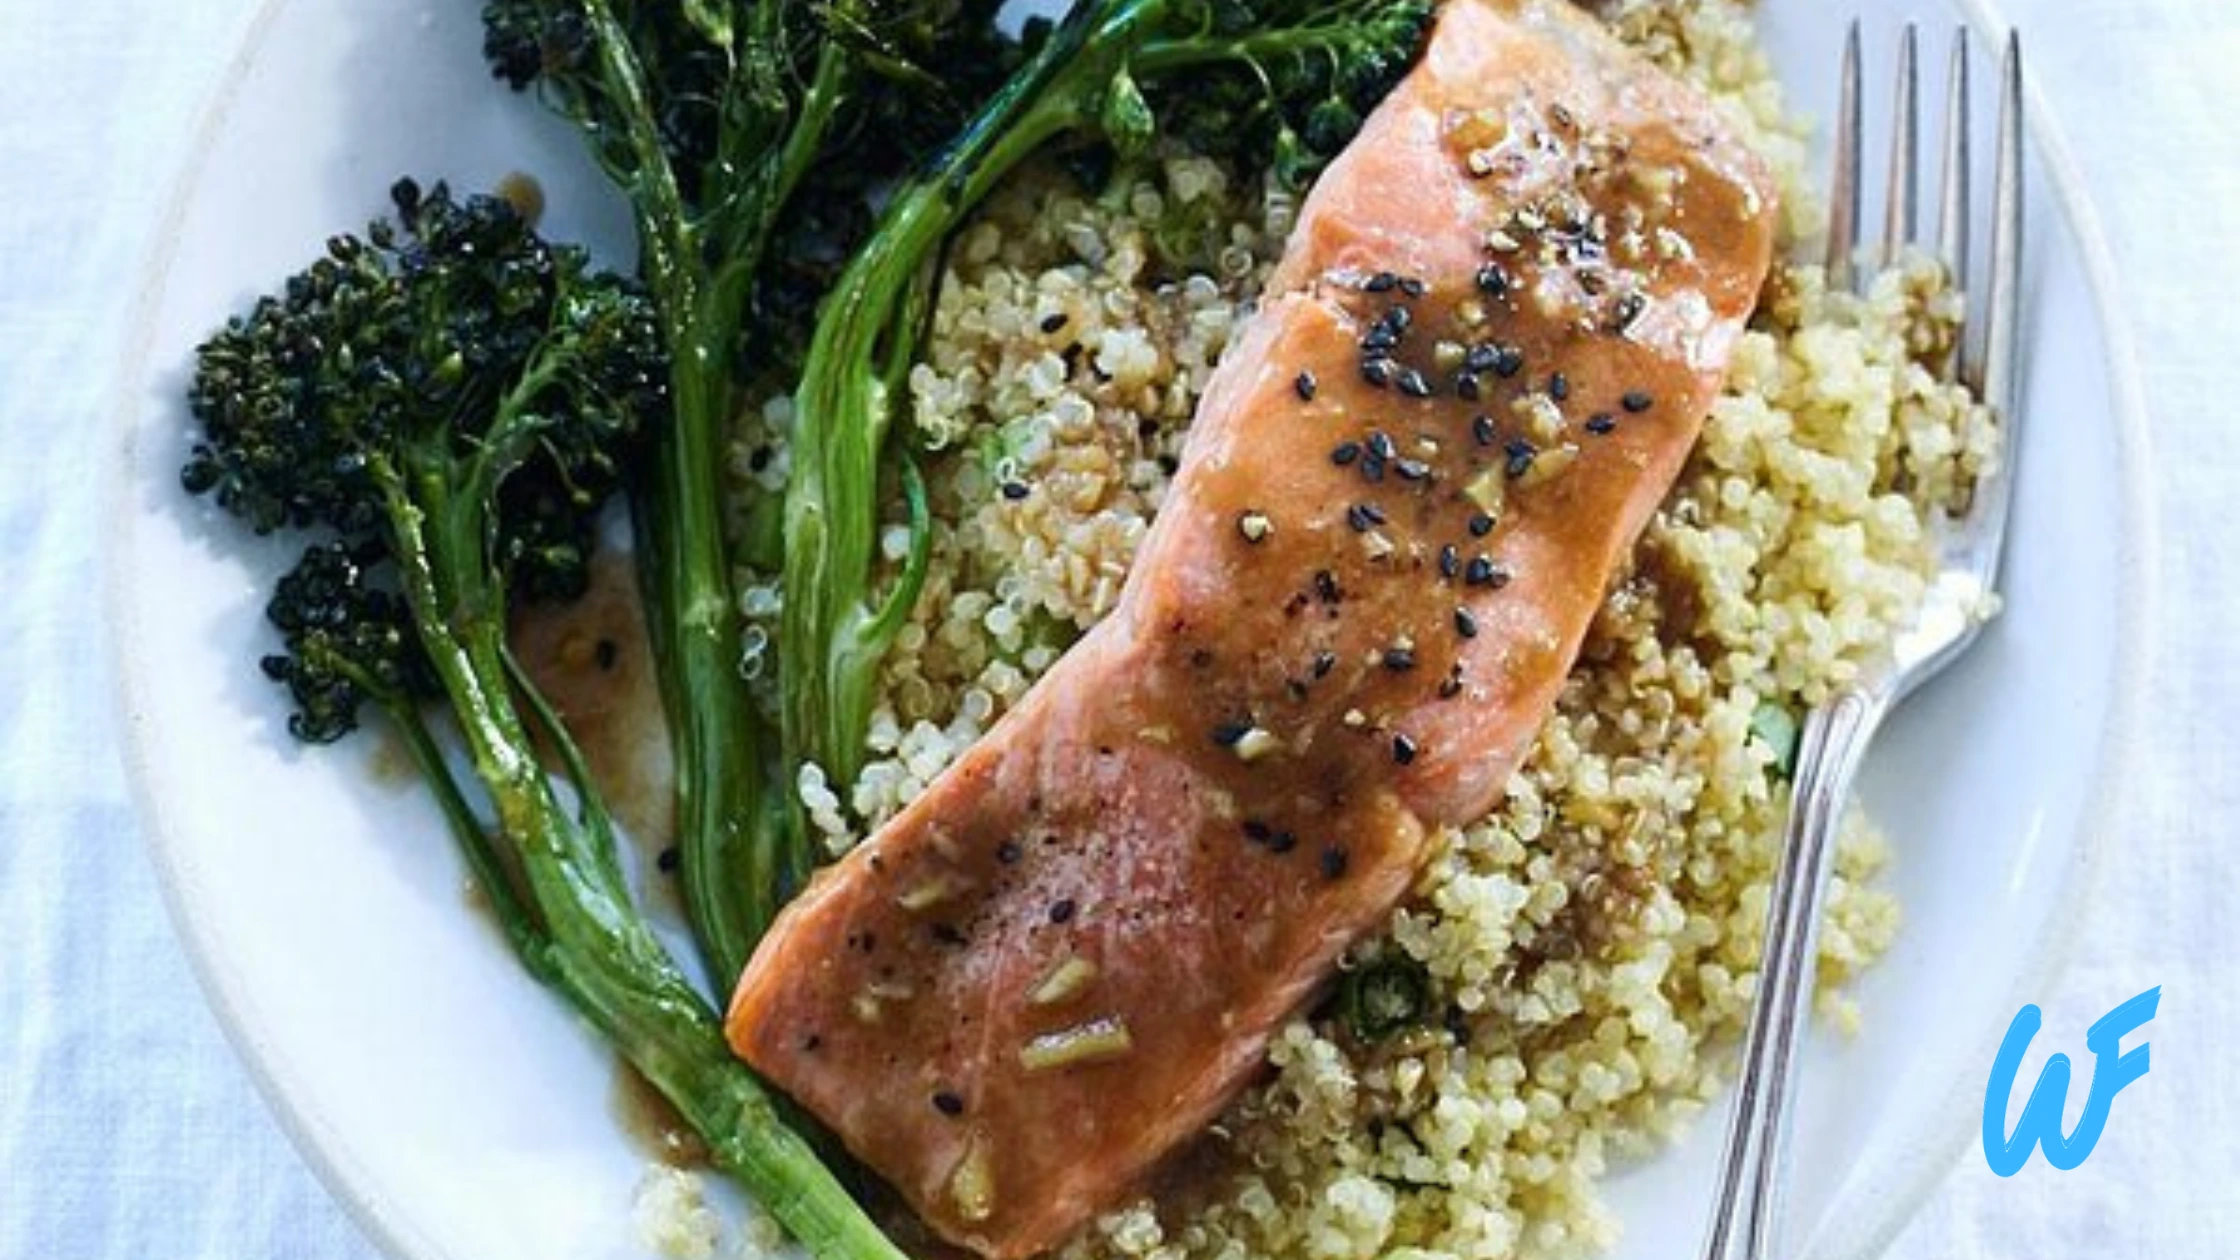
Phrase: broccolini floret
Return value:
(448, 352)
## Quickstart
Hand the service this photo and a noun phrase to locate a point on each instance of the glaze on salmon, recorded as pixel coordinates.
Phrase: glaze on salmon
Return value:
(1478, 368)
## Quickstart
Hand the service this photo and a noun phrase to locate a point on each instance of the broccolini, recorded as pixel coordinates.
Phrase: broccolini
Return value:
(445, 403)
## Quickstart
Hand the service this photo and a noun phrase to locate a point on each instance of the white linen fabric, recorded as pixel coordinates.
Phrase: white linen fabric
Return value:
(128, 1130)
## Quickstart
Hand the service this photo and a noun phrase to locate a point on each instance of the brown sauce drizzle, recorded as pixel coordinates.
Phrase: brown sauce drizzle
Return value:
(592, 661)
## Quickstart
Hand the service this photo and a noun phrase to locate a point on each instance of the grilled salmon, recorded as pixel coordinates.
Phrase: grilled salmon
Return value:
(1480, 365)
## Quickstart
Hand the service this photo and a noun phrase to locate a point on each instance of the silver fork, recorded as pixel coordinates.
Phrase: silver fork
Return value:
(1746, 1211)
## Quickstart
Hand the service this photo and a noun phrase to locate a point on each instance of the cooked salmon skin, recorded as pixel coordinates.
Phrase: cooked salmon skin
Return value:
(1479, 366)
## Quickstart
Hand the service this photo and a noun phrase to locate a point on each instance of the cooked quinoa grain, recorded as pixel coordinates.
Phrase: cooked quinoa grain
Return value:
(1589, 950)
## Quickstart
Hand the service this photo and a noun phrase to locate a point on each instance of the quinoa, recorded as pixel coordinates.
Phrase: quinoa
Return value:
(1592, 946)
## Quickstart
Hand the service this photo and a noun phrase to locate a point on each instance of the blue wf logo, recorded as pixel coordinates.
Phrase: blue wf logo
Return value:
(2040, 1124)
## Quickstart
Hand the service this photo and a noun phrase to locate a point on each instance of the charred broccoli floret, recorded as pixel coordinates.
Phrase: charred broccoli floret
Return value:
(447, 372)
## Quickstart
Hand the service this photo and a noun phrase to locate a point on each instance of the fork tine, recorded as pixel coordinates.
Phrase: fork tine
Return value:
(1901, 212)
(1843, 214)
(1997, 384)
(1952, 219)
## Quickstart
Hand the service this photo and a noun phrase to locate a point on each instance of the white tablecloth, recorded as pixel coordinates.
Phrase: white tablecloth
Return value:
(127, 1129)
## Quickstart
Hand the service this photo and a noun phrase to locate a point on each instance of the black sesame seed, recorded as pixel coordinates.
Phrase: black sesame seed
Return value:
(1398, 319)
(1450, 560)
(1399, 659)
(1481, 357)
(1412, 469)
(1451, 685)
(1345, 453)
(1282, 842)
(1228, 733)
(1630, 308)
(1372, 469)
(1638, 401)
(1465, 624)
(1467, 388)
(1008, 852)
(1479, 572)
(1061, 910)
(1413, 287)
(1414, 384)
(1602, 422)
(1559, 387)
(1480, 525)
(1507, 361)
(1015, 490)
(1382, 282)
(948, 1104)
(1256, 831)
(1482, 430)
(1403, 750)
(1518, 454)
(1333, 862)
(1304, 383)
(1380, 445)
(1324, 662)
(1052, 323)
(1325, 586)
(1377, 372)
(1493, 281)
(1364, 516)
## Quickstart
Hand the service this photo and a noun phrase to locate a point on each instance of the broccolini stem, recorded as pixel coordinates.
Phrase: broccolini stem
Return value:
(736, 867)
(857, 368)
(597, 950)
(725, 851)
(664, 234)
(495, 874)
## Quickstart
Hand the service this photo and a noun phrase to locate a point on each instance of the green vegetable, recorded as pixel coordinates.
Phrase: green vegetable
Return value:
(1384, 997)
(1775, 727)
(746, 136)
(448, 401)
(1236, 68)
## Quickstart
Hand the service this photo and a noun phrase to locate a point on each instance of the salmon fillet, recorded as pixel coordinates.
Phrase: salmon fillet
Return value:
(1478, 368)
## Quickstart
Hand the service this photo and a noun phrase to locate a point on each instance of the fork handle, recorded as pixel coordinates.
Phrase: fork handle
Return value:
(1753, 1173)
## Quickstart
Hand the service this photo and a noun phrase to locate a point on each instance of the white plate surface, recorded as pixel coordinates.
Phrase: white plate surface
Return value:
(456, 1109)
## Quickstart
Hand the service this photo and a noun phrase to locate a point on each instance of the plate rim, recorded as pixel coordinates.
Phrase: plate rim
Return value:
(340, 1174)
(391, 1228)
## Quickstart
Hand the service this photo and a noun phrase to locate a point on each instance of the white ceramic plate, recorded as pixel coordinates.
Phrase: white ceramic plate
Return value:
(459, 1112)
